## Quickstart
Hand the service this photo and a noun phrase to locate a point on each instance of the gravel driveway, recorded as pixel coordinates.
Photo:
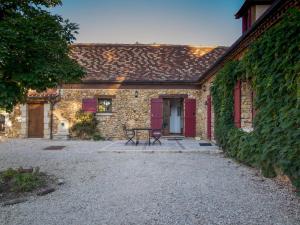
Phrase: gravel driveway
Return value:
(137, 188)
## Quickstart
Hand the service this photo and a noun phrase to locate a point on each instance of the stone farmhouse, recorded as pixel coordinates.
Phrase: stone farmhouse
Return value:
(158, 86)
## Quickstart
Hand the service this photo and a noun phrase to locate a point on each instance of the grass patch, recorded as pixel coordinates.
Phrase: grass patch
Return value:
(12, 180)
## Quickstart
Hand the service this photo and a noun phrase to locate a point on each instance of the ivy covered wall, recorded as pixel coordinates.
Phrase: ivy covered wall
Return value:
(272, 65)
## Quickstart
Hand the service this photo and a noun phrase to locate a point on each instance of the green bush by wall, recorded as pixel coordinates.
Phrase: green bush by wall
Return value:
(85, 127)
(272, 64)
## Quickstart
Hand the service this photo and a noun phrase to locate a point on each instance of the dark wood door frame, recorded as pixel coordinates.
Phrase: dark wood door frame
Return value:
(166, 117)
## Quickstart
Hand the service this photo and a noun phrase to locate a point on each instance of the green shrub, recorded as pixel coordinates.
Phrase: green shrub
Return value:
(24, 182)
(272, 64)
(8, 174)
(97, 137)
(14, 181)
(85, 127)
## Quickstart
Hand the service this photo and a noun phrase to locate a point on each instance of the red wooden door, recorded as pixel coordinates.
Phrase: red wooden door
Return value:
(237, 104)
(156, 113)
(208, 117)
(190, 117)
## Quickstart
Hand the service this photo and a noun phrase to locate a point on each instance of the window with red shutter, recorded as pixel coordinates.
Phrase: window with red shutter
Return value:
(104, 105)
(89, 105)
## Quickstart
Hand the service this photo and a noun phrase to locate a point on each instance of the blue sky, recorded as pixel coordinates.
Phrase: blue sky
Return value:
(195, 22)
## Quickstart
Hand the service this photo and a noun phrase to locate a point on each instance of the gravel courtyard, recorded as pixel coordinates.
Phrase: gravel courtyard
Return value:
(177, 183)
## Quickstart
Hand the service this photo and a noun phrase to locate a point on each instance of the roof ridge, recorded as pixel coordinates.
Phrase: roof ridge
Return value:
(146, 45)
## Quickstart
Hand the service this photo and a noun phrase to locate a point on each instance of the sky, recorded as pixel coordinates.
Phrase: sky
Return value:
(191, 22)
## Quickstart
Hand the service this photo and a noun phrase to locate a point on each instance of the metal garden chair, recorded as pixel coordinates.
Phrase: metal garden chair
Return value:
(129, 134)
(156, 134)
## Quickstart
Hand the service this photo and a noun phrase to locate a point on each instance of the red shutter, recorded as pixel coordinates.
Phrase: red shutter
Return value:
(237, 104)
(89, 105)
(249, 18)
(208, 117)
(190, 117)
(245, 23)
(156, 113)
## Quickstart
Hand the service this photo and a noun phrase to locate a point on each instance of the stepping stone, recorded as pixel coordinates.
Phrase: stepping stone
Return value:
(205, 144)
(45, 191)
(60, 181)
(14, 202)
(55, 147)
(25, 170)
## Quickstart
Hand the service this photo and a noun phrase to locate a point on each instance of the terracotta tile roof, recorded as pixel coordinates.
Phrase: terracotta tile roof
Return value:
(121, 62)
(44, 94)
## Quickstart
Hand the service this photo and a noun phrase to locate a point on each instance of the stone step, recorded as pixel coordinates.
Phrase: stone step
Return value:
(173, 137)
(60, 137)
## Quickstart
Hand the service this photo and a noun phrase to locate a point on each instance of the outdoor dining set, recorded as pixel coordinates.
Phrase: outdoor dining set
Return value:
(133, 135)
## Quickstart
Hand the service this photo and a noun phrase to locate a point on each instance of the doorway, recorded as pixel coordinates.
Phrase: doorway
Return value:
(172, 116)
(185, 108)
(36, 120)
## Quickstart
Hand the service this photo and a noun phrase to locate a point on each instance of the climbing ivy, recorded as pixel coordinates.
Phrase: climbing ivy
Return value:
(272, 65)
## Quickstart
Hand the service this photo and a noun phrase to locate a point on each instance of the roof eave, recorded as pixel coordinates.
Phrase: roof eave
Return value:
(138, 82)
(243, 37)
(248, 4)
(128, 82)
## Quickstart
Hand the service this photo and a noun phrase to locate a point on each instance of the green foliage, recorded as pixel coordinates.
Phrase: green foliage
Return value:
(34, 49)
(85, 126)
(97, 137)
(223, 101)
(24, 182)
(16, 181)
(8, 174)
(272, 64)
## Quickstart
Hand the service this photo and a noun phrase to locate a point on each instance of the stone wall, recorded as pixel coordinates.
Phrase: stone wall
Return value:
(246, 106)
(205, 91)
(126, 108)
(13, 122)
(47, 114)
(16, 124)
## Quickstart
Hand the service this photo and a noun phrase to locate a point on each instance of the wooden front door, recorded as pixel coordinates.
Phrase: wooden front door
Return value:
(190, 117)
(36, 120)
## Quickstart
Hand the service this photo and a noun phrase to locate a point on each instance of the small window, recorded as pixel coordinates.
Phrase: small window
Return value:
(2, 123)
(104, 105)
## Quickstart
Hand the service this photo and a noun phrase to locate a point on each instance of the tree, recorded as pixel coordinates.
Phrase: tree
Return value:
(34, 49)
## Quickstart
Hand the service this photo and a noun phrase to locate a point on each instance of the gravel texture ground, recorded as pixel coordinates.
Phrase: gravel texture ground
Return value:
(144, 187)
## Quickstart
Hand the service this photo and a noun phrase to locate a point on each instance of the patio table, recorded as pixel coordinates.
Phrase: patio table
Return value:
(143, 129)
